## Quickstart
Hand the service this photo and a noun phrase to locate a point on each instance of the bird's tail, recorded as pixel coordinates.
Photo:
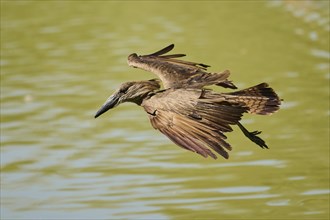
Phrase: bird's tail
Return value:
(260, 99)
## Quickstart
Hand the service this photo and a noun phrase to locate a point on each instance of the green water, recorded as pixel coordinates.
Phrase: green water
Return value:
(60, 60)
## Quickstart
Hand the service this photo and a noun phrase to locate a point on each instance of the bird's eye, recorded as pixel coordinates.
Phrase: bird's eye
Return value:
(123, 90)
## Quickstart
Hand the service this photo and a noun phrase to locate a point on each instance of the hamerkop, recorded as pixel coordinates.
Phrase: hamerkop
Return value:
(191, 116)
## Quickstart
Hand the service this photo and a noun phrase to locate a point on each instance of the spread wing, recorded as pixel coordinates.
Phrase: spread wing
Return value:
(200, 128)
(170, 58)
(177, 73)
(207, 79)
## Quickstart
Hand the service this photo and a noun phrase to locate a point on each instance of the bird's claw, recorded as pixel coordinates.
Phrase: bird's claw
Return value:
(253, 137)
(255, 132)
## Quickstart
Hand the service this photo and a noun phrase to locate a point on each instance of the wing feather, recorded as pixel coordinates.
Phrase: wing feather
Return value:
(184, 63)
(173, 56)
(169, 58)
(194, 119)
(191, 135)
(162, 51)
(176, 73)
(178, 133)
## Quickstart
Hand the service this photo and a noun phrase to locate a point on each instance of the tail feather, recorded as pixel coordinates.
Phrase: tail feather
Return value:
(260, 99)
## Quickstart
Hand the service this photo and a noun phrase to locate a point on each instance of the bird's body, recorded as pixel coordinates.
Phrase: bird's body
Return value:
(196, 119)
(191, 116)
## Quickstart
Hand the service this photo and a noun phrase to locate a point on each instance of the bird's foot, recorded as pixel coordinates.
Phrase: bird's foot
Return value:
(253, 136)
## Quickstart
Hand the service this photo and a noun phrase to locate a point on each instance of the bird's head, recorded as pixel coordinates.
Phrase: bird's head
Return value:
(129, 92)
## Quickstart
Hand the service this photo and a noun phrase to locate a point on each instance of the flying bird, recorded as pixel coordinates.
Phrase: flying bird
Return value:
(191, 116)
(196, 118)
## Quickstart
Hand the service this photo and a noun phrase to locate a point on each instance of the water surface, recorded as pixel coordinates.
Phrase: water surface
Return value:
(60, 60)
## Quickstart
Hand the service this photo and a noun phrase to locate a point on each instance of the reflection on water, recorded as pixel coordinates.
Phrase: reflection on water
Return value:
(59, 65)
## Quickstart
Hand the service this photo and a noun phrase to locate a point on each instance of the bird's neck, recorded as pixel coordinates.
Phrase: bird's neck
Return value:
(141, 98)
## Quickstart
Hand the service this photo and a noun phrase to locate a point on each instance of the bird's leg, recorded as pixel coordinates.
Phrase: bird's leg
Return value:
(253, 136)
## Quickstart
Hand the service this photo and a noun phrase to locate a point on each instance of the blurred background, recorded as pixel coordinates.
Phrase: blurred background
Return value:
(60, 60)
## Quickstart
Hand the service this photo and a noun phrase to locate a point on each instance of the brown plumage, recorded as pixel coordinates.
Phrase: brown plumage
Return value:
(176, 73)
(194, 118)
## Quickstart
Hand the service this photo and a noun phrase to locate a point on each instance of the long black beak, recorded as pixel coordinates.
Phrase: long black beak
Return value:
(109, 104)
